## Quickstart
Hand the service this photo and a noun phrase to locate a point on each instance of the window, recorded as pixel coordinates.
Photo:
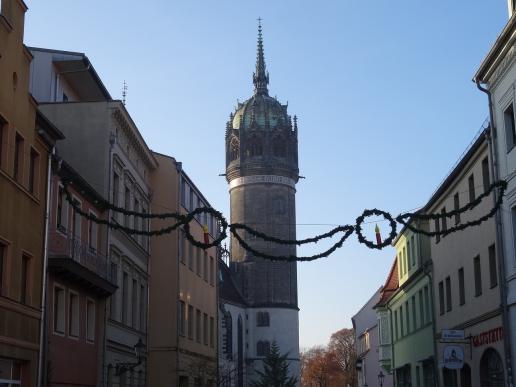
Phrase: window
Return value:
(3, 259)
(190, 256)
(136, 208)
(192, 199)
(462, 290)
(90, 320)
(3, 133)
(205, 328)
(441, 297)
(414, 317)
(443, 219)
(448, 294)
(62, 209)
(510, 129)
(184, 188)
(114, 279)
(116, 188)
(262, 319)
(402, 330)
(407, 262)
(262, 348)
(471, 184)
(198, 261)
(485, 174)
(10, 370)
(478, 275)
(73, 314)
(182, 246)
(182, 318)
(205, 270)
(396, 324)
(198, 325)
(25, 280)
(59, 310)
(456, 206)
(125, 285)
(407, 318)
(234, 149)
(413, 250)
(255, 147)
(212, 271)
(279, 149)
(212, 332)
(18, 157)
(437, 229)
(145, 227)
(134, 304)
(127, 204)
(33, 170)
(421, 309)
(428, 315)
(493, 277)
(93, 233)
(143, 309)
(190, 322)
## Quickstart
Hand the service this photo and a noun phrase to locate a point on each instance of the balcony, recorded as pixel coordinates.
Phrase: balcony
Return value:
(75, 260)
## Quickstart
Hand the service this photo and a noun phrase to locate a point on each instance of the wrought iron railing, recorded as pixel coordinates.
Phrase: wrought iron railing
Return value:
(69, 246)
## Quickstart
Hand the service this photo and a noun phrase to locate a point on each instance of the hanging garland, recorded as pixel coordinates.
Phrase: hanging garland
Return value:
(406, 219)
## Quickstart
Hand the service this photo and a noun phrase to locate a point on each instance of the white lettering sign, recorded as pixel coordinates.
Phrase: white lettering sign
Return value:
(261, 179)
(452, 334)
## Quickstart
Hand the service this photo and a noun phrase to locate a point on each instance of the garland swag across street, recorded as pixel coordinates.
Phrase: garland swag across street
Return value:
(345, 231)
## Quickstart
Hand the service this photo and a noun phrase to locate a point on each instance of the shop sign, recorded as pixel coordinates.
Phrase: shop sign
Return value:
(488, 337)
(453, 357)
(452, 334)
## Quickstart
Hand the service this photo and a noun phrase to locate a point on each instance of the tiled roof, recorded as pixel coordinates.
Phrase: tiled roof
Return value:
(391, 285)
(228, 291)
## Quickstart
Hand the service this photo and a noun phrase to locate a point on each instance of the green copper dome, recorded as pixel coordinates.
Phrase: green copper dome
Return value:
(260, 112)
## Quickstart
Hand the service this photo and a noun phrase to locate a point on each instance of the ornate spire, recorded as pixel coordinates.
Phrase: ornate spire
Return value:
(260, 76)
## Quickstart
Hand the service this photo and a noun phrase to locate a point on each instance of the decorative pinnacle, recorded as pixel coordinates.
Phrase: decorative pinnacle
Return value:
(260, 76)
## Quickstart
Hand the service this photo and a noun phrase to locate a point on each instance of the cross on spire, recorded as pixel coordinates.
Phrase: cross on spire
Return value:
(260, 76)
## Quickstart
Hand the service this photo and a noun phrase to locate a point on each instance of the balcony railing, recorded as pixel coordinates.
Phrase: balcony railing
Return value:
(68, 246)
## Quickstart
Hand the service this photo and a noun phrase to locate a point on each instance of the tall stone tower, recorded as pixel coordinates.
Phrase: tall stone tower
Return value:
(262, 172)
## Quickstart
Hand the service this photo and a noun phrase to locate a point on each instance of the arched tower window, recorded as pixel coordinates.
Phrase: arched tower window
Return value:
(279, 148)
(263, 348)
(229, 335)
(234, 149)
(491, 369)
(255, 147)
(262, 319)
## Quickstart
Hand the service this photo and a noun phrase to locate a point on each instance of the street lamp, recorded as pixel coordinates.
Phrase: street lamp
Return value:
(381, 376)
(139, 349)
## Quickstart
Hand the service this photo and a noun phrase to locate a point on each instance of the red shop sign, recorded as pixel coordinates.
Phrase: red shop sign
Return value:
(488, 337)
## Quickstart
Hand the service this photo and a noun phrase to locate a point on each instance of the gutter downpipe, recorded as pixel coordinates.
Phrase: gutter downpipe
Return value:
(493, 150)
(43, 324)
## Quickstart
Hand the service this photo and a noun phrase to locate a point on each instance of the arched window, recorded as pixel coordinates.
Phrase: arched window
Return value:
(262, 319)
(240, 348)
(234, 149)
(255, 147)
(279, 148)
(229, 335)
(263, 348)
(491, 369)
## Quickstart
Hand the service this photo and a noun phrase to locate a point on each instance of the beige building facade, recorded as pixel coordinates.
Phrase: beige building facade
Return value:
(183, 292)
(466, 277)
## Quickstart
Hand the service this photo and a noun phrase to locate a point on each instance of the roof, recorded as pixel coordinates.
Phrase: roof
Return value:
(228, 291)
(391, 285)
(503, 43)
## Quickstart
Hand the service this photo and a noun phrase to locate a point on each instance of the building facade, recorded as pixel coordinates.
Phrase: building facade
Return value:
(365, 325)
(27, 139)
(183, 294)
(496, 77)
(78, 285)
(466, 278)
(105, 147)
(262, 172)
(409, 312)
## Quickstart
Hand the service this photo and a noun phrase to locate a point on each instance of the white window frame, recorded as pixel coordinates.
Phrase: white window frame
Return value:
(90, 325)
(71, 313)
(61, 311)
(63, 228)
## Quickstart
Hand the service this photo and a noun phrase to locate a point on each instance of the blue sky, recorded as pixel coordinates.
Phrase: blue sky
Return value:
(382, 90)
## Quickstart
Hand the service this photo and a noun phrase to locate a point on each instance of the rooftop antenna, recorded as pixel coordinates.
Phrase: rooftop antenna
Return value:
(124, 92)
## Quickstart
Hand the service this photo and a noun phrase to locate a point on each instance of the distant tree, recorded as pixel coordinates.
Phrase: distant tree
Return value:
(342, 345)
(275, 370)
(319, 368)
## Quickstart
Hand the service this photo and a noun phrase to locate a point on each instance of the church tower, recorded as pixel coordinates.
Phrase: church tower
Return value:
(262, 172)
